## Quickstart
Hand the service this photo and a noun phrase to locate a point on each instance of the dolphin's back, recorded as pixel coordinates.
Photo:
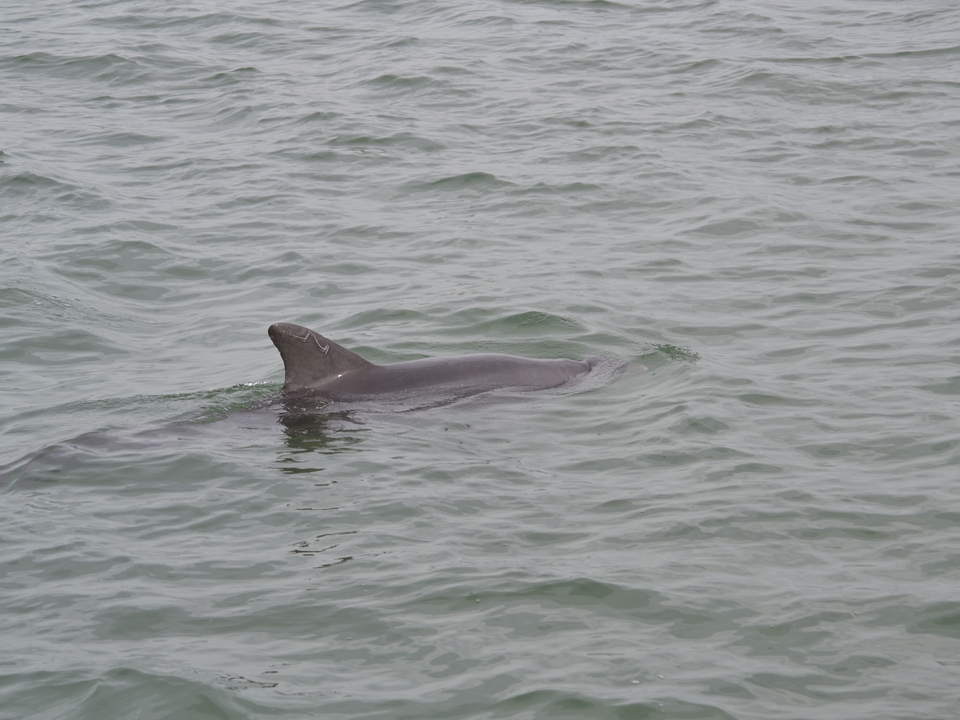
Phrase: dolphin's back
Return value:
(463, 375)
(313, 363)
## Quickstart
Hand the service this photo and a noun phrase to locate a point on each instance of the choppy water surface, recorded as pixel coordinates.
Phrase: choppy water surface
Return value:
(756, 202)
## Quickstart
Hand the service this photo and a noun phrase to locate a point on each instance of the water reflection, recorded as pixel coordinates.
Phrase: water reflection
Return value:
(316, 429)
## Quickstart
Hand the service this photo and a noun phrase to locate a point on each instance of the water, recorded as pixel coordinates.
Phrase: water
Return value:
(754, 204)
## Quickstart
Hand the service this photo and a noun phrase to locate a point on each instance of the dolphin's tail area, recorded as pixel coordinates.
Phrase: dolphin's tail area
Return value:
(309, 358)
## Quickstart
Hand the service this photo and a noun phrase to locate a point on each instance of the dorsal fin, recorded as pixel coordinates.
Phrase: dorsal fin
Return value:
(309, 358)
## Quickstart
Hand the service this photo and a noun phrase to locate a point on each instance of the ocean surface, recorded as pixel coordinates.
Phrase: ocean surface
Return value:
(750, 209)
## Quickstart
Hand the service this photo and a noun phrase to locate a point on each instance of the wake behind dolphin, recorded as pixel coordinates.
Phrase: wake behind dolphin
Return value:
(317, 365)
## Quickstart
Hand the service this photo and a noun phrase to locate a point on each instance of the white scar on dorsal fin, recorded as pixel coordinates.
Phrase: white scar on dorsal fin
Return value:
(324, 348)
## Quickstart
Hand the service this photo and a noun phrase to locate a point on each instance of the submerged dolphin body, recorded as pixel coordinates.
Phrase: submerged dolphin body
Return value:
(314, 364)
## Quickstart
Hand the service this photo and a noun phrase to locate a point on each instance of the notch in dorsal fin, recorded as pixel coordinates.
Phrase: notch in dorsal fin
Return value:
(309, 358)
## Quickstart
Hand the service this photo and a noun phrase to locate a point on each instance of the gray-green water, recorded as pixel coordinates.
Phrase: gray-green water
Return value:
(755, 201)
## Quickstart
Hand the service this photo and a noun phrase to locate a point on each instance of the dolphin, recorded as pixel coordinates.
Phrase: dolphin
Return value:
(317, 365)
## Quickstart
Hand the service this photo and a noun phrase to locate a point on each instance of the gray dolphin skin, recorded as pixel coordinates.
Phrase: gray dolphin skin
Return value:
(315, 364)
